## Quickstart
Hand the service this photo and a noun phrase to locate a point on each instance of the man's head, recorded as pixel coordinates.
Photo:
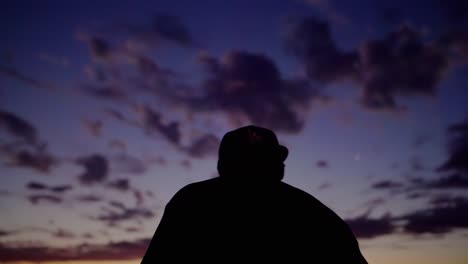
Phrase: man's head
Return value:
(251, 153)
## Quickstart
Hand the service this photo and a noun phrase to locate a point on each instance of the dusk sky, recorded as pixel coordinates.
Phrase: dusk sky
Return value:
(107, 108)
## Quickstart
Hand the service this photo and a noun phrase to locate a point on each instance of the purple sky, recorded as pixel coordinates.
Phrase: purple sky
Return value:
(108, 108)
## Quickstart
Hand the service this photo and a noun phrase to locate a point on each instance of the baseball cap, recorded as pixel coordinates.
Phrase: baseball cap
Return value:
(251, 143)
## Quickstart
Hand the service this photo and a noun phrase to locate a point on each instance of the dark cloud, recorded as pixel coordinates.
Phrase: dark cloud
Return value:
(89, 198)
(33, 185)
(414, 195)
(112, 217)
(321, 164)
(249, 88)
(117, 204)
(60, 188)
(312, 42)
(120, 184)
(4, 233)
(206, 145)
(447, 214)
(399, 64)
(113, 251)
(63, 233)
(96, 169)
(39, 198)
(36, 186)
(152, 122)
(386, 184)
(364, 227)
(36, 160)
(457, 161)
(132, 229)
(18, 127)
(452, 181)
(99, 47)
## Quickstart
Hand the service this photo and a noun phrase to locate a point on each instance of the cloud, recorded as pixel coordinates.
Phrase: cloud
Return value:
(448, 214)
(457, 161)
(112, 251)
(112, 217)
(33, 185)
(18, 127)
(249, 88)
(206, 145)
(19, 76)
(311, 41)
(400, 64)
(386, 184)
(364, 227)
(96, 169)
(452, 181)
(321, 164)
(36, 186)
(37, 160)
(120, 184)
(39, 198)
(60, 188)
(99, 47)
(152, 122)
(117, 204)
(4, 233)
(89, 198)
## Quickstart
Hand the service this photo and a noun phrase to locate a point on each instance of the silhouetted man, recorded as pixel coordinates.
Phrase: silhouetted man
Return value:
(248, 215)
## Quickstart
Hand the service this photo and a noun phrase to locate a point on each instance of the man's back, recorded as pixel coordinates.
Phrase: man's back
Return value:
(220, 220)
(248, 214)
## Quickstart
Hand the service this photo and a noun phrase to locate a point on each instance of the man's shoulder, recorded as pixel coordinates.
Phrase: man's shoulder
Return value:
(306, 199)
(196, 188)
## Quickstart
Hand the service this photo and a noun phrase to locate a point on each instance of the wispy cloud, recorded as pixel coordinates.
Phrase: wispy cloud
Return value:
(21, 77)
(123, 250)
(365, 227)
(37, 186)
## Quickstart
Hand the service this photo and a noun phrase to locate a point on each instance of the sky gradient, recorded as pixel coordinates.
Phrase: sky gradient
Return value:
(108, 108)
